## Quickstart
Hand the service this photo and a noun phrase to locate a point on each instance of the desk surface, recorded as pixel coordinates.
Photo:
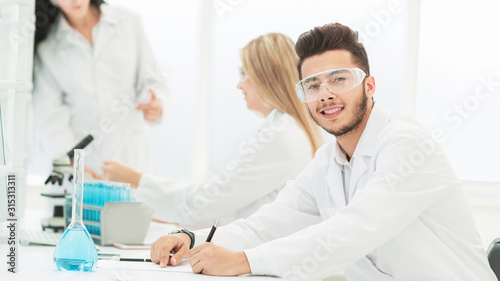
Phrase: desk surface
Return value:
(36, 262)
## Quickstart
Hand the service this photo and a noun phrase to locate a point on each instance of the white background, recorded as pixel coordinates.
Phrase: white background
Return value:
(459, 46)
(174, 32)
(426, 60)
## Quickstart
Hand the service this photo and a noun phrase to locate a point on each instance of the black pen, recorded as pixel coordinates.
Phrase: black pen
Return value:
(212, 231)
(131, 259)
(116, 257)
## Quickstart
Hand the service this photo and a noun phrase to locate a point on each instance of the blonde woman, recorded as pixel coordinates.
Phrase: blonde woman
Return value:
(278, 152)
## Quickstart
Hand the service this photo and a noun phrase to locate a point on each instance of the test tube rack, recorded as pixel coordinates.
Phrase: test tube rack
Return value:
(111, 215)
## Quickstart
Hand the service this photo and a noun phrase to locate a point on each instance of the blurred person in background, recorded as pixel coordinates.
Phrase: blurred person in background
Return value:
(95, 73)
(278, 152)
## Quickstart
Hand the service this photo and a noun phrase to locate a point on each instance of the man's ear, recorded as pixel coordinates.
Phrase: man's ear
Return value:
(370, 86)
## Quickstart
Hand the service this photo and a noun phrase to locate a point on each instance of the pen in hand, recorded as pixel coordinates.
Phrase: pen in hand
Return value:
(212, 231)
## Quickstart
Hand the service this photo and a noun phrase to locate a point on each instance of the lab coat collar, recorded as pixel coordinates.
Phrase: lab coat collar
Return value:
(272, 117)
(340, 156)
(334, 176)
(379, 117)
(275, 113)
(367, 145)
(63, 27)
(65, 30)
(365, 149)
(108, 15)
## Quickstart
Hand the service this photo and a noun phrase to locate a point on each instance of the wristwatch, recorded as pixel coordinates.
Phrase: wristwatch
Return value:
(189, 233)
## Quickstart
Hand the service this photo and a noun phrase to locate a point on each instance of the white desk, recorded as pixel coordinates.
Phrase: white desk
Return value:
(36, 262)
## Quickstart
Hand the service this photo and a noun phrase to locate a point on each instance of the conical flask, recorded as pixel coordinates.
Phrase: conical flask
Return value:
(76, 250)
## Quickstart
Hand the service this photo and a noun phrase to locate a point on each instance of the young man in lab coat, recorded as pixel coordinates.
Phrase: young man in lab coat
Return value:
(380, 203)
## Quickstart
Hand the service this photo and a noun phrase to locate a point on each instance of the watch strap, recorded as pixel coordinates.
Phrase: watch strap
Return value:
(189, 233)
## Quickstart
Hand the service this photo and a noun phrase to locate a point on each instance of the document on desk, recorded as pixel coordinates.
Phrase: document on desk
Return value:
(183, 266)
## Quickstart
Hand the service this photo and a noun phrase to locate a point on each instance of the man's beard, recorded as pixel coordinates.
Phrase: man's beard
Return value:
(360, 111)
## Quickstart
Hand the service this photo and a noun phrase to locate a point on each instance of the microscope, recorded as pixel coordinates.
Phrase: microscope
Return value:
(58, 185)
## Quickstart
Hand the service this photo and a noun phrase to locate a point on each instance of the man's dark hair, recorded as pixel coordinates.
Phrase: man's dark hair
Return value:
(333, 36)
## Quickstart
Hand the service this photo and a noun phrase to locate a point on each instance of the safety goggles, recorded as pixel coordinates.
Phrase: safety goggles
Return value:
(243, 75)
(337, 81)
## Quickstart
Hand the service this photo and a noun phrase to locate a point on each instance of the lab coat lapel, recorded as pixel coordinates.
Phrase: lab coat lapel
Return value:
(105, 30)
(67, 36)
(102, 35)
(359, 168)
(366, 147)
(335, 184)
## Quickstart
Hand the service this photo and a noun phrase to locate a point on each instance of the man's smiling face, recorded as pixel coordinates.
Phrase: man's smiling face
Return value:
(336, 113)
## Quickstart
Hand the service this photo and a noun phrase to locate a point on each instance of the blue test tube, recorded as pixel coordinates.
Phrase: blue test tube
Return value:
(131, 194)
(99, 200)
(85, 199)
(95, 195)
(114, 198)
(122, 194)
(87, 214)
(106, 193)
(90, 192)
(95, 198)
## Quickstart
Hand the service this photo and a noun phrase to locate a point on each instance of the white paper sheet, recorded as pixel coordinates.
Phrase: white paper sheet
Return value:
(183, 266)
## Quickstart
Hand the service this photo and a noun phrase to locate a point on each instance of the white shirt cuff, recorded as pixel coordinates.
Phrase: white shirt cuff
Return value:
(200, 236)
(144, 180)
(257, 265)
(140, 191)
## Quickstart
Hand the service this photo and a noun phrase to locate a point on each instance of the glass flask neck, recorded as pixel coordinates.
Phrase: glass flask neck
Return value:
(77, 200)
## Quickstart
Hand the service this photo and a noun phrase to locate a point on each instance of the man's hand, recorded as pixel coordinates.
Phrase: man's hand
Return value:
(177, 244)
(214, 260)
(151, 110)
(116, 171)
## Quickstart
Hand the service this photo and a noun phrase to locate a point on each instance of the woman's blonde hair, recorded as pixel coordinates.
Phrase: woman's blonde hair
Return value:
(270, 62)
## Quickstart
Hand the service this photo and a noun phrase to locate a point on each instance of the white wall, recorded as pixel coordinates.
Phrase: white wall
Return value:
(453, 56)
(174, 33)
(456, 56)
(173, 30)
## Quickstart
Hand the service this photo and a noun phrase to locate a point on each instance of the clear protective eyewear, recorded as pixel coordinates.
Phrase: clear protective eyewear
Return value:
(337, 81)
(243, 75)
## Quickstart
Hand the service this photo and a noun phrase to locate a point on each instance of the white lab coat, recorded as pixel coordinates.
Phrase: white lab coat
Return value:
(81, 89)
(278, 152)
(407, 217)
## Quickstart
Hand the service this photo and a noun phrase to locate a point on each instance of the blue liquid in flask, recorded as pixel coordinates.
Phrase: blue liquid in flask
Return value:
(76, 250)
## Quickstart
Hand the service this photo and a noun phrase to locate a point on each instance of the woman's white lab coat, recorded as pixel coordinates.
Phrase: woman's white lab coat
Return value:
(81, 89)
(278, 152)
(407, 216)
